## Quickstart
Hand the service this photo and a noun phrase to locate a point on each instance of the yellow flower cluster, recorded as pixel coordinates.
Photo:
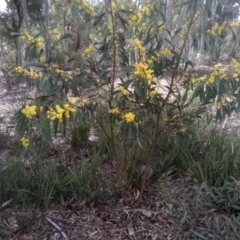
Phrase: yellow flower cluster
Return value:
(220, 72)
(123, 90)
(152, 59)
(217, 29)
(29, 111)
(77, 101)
(216, 74)
(37, 42)
(21, 70)
(58, 112)
(199, 80)
(235, 75)
(129, 117)
(183, 130)
(34, 74)
(235, 67)
(25, 72)
(117, 50)
(25, 141)
(110, 29)
(87, 7)
(139, 14)
(141, 70)
(163, 53)
(136, 18)
(234, 64)
(146, 9)
(113, 8)
(67, 109)
(158, 85)
(88, 51)
(114, 111)
(221, 101)
(152, 93)
(165, 119)
(55, 33)
(138, 44)
(110, 32)
(63, 74)
(235, 24)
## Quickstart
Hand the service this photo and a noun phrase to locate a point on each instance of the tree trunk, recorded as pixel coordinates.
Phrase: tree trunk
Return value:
(19, 59)
(168, 23)
(181, 21)
(202, 37)
(65, 45)
(65, 9)
(46, 18)
(25, 18)
(17, 18)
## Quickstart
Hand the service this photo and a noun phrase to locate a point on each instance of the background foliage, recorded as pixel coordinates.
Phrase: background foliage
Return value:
(124, 72)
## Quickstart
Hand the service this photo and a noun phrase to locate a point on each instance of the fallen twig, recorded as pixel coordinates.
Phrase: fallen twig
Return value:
(57, 227)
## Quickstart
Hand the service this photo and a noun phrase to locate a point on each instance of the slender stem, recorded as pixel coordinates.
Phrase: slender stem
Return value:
(103, 128)
(157, 130)
(113, 143)
(114, 53)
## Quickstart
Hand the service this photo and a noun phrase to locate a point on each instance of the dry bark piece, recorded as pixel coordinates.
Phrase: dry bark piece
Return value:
(6, 203)
(98, 222)
(12, 221)
(131, 231)
(26, 237)
(147, 214)
(56, 236)
(115, 216)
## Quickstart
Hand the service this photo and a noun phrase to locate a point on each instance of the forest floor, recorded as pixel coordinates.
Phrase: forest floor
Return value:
(109, 219)
(158, 217)
(161, 214)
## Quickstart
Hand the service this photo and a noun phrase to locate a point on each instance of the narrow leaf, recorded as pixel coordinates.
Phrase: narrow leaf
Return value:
(67, 35)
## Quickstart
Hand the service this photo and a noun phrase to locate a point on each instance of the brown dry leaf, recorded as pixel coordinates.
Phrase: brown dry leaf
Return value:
(26, 237)
(82, 203)
(98, 222)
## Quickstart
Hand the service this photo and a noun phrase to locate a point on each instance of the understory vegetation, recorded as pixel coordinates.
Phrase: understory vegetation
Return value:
(208, 163)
